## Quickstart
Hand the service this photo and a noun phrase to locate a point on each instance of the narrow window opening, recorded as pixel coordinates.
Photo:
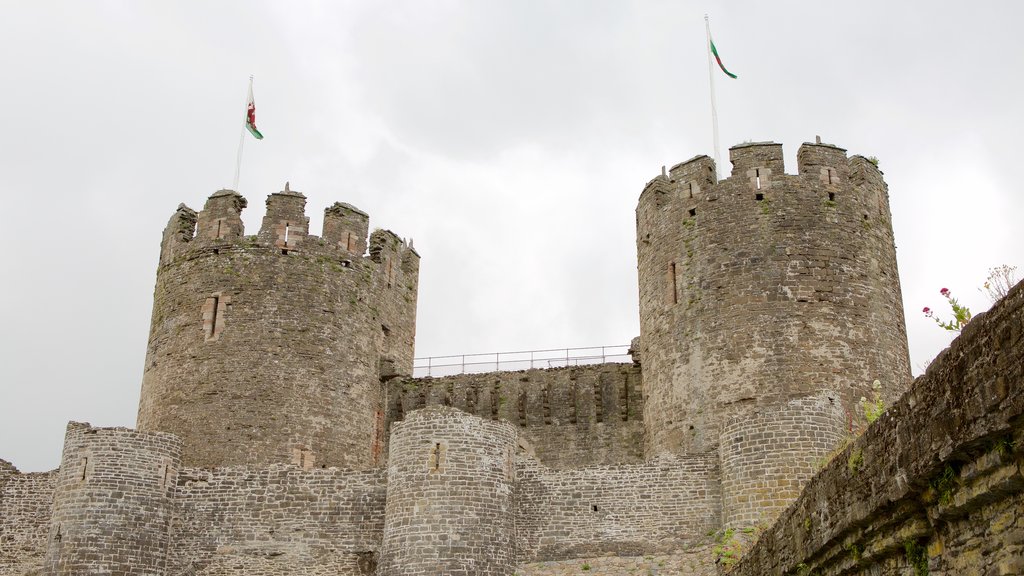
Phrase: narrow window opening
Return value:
(213, 316)
(758, 196)
(284, 251)
(865, 216)
(693, 211)
(58, 536)
(287, 230)
(830, 176)
(85, 467)
(757, 178)
(219, 222)
(213, 321)
(593, 507)
(691, 189)
(166, 476)
(216, 250)
(831, 196)
(346, 263)
(390, 271)
(350, 243)
(675, 287)
(435, 458)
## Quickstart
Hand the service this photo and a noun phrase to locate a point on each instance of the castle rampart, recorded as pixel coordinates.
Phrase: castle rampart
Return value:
(658, 506)
(113, 502)
(569, 417)
(299, 329)
(240, 521)
(25, 502)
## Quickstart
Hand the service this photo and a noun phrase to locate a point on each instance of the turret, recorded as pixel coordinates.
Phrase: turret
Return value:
(450, 496)
(271, 348)
(113, 502)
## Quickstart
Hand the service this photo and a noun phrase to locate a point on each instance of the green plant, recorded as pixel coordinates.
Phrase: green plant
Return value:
(854, 551)
(585, 567)
(876, 406)
(856, 461)
(961, 314)
(944, 483)
(873, 160)
(917, 557)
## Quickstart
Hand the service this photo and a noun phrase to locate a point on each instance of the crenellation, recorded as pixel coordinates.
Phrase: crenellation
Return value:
(180, 230)
(280, 430)
(285, 224)
(757, 161)
(220, 220)
(825, 162)
(347, 227)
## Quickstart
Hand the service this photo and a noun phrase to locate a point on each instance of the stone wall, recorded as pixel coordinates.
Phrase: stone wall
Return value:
(450, 496)
(297, 329)
(935, 485)
(568, 417)
(25, 502)
(768, 456)
(629, 509)
(278, 520)
(113, 502)
(764, 287)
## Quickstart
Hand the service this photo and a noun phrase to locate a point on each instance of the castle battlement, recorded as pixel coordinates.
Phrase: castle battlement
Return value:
(306, 326)
(280, 430)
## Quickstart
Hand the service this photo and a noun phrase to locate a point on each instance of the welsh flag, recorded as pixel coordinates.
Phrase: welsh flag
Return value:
(250, 116)
(713, 51)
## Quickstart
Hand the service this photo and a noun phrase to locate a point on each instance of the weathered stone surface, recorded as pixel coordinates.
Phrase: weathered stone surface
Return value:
(294, 329)
(281, 434)
(570, 417)
(935, 483)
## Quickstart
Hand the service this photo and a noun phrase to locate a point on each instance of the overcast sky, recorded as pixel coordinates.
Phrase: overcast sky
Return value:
(510, 139)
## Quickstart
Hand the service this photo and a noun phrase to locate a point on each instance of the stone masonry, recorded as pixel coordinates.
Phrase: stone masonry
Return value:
(280, 431)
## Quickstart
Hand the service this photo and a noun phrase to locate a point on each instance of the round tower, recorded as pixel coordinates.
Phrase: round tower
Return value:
(113, 502)
(763, 288)
(271, 348)
(449, 497)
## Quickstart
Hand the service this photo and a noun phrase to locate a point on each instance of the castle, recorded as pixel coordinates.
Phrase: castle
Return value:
(280, 430)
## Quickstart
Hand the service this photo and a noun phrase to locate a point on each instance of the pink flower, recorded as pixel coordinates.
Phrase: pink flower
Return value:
(944, 292)
(927, 311)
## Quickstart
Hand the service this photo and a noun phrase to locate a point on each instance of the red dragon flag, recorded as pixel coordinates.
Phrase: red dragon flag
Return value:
(250, 115)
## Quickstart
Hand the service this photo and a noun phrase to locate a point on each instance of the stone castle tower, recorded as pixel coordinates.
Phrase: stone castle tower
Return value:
(280, 429)
(296, 330)
(769, 303)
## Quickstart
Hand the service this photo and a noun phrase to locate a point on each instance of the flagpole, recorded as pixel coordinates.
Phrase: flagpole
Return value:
(241, 143)
(711, 84)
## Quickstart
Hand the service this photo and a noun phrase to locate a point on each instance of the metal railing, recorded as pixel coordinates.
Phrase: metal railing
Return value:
(522, 360)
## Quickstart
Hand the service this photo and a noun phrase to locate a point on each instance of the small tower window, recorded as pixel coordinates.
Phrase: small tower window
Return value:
(673, 297)
(759, 196)
(693, 212)
(757, 178)
(213, 316)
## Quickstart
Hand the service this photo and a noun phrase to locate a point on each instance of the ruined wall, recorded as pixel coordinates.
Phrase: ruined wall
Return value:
(450, 496)
(113, 502)
(297, 329)
(569, 417)
(277, 520)
(764, 287)
(25, 502)
(935, 486)
(628, 509)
